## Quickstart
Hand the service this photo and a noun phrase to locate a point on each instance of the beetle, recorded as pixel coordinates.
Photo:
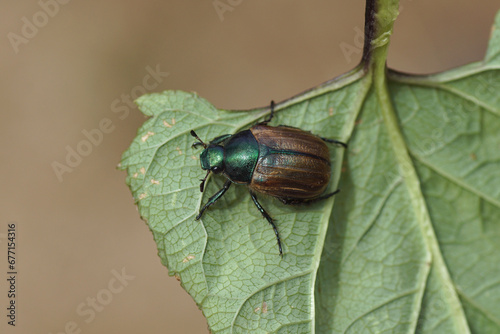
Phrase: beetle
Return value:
(284, 162)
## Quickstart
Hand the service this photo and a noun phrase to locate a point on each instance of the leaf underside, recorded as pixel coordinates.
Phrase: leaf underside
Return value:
(410, 244)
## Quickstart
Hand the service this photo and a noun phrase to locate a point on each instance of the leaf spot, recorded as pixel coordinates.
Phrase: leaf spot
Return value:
(135, 175)
(153, 181)
(166, 124)
(143, 195)
(178, 150)
(264, 307)
(143, 170)
(188, 258)
(257, 309)
(146, 136)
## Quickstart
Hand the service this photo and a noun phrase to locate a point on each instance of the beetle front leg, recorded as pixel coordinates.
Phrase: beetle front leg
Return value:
(214, 198)
(196, 144)
(220, 139)
(269, 219)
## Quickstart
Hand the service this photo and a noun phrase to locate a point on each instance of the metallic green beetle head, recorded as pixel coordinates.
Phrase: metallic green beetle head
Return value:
(212, 159)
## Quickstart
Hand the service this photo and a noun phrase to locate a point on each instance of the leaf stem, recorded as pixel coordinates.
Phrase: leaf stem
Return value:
(369, 30)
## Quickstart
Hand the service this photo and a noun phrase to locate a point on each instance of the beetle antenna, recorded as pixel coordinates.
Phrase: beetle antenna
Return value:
(202, 185)
(200, 141)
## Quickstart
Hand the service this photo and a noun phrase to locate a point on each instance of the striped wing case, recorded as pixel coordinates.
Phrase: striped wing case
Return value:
(292, 164)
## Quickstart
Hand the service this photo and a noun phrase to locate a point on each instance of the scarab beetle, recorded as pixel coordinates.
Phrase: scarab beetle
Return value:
(288, 163)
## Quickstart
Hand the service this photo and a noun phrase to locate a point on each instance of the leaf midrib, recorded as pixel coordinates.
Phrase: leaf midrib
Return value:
(409, 174)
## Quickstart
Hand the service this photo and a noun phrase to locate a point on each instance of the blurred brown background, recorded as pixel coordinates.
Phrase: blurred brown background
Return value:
(76, 232)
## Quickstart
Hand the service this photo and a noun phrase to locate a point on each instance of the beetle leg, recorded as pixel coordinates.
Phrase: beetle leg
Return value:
(214, 198)
(334, 141)
(323, 197)
(269, 219)
(196, 144)
(271, 115)
(288, 201)
(220, 139)
(202, 184)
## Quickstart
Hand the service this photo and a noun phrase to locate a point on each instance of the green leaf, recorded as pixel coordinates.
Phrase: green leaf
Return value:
(410, 244)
